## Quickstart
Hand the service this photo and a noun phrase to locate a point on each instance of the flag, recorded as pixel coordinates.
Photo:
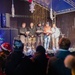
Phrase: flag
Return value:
(51, 13)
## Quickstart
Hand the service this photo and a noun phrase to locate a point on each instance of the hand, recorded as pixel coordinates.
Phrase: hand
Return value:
(39, 31)
(27, 32)
(48, 34)
(49, 31)
(32, 36)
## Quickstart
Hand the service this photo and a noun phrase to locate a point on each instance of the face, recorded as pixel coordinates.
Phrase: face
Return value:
(54, 25)
(31, 24)
(47, 25)
(39, 24)
(23, 25)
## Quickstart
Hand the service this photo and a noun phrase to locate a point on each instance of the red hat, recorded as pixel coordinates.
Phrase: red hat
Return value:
(6, 46)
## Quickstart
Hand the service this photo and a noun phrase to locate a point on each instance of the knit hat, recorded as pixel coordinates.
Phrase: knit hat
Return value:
(6, 46)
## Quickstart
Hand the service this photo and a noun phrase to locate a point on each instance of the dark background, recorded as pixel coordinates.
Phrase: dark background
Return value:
(21, 8)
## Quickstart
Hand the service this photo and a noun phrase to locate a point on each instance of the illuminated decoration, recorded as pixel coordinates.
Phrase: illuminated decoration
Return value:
(1, 40)
(13, 9)
(1, 37)
(32, 5)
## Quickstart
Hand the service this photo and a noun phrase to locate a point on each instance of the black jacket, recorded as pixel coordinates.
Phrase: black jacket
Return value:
(56, 64)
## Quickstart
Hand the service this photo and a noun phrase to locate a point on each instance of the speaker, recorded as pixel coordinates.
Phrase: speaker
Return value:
(5, 20)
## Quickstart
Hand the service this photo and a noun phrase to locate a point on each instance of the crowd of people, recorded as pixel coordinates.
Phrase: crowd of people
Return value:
(39, 34)
(15, 62)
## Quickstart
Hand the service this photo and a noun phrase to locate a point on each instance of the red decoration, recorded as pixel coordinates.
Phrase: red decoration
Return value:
(29, 1)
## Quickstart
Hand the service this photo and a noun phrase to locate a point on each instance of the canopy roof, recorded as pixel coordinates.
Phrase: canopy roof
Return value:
(59, 6)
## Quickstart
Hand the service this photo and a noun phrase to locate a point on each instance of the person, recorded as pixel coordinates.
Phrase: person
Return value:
(39, 34)
(55, 37)
(70, 63)
(56, 63)
(47, 35)
(4, 53)
(14, 58)
(23, 35)
(32, 35)
(6, 47)
(40, 61)
(17, 63)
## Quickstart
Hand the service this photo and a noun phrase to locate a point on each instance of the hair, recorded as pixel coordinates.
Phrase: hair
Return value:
(40, 49)
(18, 45)
(64, 43)
(69, 61)
(23, 23)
